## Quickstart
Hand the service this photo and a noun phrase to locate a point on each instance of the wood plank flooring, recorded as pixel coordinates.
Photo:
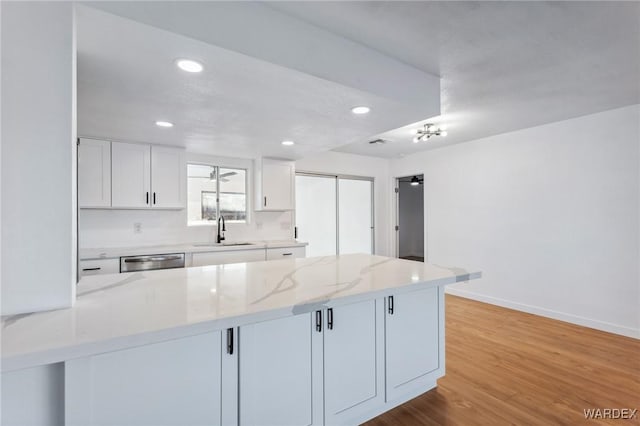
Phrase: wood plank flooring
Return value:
(506, 367)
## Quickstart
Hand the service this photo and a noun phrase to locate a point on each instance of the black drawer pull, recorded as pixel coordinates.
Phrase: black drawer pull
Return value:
(91, 269)
(287, 254)
(230, 341)
(147, 197)
(154, 198)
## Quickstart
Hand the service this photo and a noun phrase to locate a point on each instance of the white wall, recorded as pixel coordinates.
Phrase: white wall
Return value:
(550, 215)
(357, 165)
(411, 220)
(38, 156)
(115, 228)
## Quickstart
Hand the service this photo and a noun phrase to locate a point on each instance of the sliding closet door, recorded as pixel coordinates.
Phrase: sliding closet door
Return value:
(316, 216)
(355, 216)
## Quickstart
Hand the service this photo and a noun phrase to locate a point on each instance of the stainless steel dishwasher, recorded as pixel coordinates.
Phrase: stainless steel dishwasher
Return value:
(151, 262)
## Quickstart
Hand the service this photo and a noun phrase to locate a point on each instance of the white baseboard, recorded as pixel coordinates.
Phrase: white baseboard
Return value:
(536, 310)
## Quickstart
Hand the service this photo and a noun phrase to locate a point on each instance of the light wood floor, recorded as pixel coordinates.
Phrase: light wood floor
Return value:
(506, 367)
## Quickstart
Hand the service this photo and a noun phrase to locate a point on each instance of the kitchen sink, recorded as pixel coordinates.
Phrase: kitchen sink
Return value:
(221, 244)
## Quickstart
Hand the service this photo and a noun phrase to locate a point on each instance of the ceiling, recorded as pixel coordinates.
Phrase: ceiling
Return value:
(504, 66)
(238, 106)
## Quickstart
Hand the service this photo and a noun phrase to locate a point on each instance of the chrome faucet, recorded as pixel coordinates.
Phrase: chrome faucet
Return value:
(220, 237)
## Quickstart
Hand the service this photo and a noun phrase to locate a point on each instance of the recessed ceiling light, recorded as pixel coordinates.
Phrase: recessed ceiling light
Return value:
(189, 65)
(164, 124)
(288, 143)
(360, 110)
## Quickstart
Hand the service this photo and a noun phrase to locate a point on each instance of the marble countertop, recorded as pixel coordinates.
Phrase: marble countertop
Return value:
(118, 311)
(113, 252)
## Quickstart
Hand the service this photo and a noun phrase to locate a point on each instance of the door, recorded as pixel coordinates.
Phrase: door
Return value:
(177, 382)
(316, 213)
(94, 173)
(353, 362)
(277, 177)
(130, 175)
(281, 372)
(410, 218)
(168, 177)
(355, 216)
(412, 341)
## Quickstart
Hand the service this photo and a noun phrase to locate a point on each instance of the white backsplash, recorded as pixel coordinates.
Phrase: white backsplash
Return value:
(117, 228)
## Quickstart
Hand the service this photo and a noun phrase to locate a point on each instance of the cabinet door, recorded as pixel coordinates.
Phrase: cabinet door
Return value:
(277, 185)
(413, 333)
(281, 372)
(353, 362)
(94, 173)
(130, 175)
(169, 383)
(224, 257)
(168, 177)
(100, 266)
(285, 252)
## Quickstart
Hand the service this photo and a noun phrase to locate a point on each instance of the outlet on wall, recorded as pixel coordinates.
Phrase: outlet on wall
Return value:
(137, 228)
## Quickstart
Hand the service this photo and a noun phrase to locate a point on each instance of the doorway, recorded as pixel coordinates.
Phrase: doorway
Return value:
(410, 217)
(334, 213)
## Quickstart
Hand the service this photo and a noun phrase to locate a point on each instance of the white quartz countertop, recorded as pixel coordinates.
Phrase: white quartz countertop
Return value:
(118, 311)
(113, 252)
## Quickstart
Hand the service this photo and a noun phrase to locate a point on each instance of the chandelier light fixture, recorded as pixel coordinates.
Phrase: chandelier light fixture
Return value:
(427, 131)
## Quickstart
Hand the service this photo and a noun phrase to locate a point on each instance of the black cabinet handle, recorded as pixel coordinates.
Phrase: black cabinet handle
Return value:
(91, 269)
(154, 198)
(295, 232)
(390, 305)
(265, 201)
(230, 341)
(330, 318)
(287, 254)
(319, 321)
(147, 197)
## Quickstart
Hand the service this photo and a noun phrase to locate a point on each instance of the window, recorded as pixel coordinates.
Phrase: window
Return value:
(215, 191)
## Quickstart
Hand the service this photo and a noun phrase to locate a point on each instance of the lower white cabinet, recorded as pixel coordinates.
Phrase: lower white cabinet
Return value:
(222, 257)
(353, 362)
(177, 382)
(288, 364)
(280, 373)
(414, 341)
(285, 252)
(99, 266)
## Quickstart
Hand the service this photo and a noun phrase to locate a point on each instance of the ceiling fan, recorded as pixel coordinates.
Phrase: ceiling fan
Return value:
(212, 176)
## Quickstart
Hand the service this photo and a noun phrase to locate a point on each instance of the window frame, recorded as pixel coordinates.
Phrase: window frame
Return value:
(219, 166)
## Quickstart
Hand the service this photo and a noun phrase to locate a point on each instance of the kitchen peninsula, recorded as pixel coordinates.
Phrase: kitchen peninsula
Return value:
(324, 340)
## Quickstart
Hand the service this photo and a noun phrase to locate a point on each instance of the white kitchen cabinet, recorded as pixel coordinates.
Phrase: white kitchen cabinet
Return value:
(353, 362)
(224, 257)
(168, 177)
(145, 176)
(130, 175)
(414, 327)
(285, 252)
(177, 382)
(99, 266)
(94, 173)
(274, 184)
(280, 365)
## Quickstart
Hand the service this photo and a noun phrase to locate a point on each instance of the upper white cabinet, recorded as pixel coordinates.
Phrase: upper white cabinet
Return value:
(168, 177)
(94, 173)
(274, 186)
(131, 175)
